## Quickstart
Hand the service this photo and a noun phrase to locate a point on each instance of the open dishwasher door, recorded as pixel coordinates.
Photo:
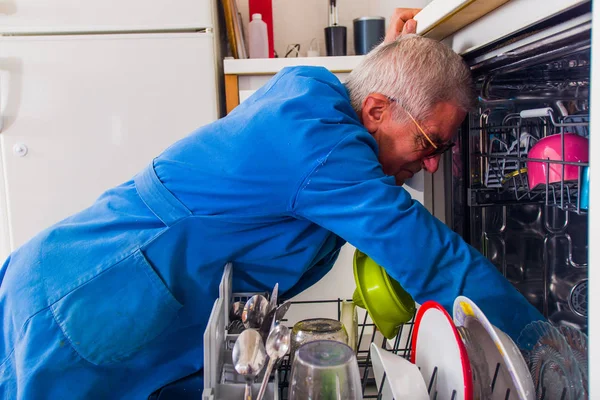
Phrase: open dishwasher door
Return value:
(530, 219)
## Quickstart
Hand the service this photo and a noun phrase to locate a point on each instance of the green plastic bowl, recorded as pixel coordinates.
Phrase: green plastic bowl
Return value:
(388, 304)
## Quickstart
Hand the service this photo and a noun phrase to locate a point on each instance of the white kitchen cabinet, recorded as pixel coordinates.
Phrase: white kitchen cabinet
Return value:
(59, 16)
(503, 21)
(84, 113)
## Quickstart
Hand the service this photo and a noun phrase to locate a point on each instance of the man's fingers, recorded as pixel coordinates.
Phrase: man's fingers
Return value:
(398, 23)
(409, 27)
(405, 13)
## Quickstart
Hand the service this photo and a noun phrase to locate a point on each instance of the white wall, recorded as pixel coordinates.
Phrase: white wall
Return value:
(299, 21)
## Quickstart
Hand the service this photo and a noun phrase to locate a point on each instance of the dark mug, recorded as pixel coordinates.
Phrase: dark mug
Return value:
(368, 33)
(335, 40)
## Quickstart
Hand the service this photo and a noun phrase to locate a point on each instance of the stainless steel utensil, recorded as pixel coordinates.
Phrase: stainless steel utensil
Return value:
(278, 344)
(265, 328)
(249, 357)
(255, 310)
(281, 310)
(272, 319)
(274, 295)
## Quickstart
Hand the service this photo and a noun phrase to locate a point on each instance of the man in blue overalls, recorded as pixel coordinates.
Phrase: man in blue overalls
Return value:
(113, 301)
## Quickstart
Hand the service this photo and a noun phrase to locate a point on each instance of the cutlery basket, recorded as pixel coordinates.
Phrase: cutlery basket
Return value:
(221, 381)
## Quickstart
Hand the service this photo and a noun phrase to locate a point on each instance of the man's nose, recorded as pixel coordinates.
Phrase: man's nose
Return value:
(431, 164)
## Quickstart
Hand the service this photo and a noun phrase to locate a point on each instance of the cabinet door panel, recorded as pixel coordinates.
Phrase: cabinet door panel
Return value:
(83, 114)
(36, 16)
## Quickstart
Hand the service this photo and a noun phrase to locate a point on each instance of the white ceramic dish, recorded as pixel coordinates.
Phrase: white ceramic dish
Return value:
(436, 343)
(513, 374)
(403, 380)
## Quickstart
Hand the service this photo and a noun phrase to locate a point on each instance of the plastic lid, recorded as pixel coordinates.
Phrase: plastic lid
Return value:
(257, 16)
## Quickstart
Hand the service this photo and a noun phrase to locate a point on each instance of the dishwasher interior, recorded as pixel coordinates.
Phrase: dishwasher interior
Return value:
(534, 230)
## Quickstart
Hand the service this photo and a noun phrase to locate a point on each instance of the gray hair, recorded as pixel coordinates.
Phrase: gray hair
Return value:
(417, 72)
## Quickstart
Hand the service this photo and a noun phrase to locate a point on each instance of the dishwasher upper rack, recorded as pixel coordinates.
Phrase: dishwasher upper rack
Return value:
(502, 153)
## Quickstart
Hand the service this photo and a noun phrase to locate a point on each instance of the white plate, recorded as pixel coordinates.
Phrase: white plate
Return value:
(436, 343)
(403, 379)
(513, 373)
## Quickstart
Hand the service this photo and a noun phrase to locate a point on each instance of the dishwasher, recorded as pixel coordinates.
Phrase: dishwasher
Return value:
(536, 235)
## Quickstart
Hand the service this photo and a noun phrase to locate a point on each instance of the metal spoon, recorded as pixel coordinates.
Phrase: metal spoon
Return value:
(278, 344)
(249, 357)
(255, 310)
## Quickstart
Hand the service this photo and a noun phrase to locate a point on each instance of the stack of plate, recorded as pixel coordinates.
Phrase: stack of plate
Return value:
(459, 357)
(466, 357)
(557, 360)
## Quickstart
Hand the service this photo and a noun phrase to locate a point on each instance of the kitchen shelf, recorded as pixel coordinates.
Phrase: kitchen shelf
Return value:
(271, 66)
(244, 76)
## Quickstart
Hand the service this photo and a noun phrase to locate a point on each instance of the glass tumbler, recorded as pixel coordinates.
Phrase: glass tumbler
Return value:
(310, 330)
(325, 370)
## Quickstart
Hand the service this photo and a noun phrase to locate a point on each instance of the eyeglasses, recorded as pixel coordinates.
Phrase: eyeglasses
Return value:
(439, 149)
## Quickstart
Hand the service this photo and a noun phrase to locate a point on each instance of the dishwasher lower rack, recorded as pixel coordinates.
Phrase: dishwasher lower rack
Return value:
(222, 382)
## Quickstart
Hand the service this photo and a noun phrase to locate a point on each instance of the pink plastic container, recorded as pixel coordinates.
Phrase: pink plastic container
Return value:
(576, 150)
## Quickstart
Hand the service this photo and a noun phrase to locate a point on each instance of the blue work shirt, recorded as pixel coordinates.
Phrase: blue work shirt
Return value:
(113, 302)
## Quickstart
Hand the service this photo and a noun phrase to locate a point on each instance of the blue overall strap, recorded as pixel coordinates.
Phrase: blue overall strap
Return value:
(158, 198)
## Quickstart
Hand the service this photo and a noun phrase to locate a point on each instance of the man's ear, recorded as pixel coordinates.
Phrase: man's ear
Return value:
(374, 108)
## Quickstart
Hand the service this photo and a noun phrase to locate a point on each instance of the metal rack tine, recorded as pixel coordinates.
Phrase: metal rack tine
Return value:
(366, 372)
(495, 376)
(380, 391)
(362, 330)
(384, 344)
(432, 379)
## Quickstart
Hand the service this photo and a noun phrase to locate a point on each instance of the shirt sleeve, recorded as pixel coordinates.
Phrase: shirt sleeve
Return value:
(348, 194)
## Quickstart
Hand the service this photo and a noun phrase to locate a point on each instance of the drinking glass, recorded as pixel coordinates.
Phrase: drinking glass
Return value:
(313, 329)
(325, 370)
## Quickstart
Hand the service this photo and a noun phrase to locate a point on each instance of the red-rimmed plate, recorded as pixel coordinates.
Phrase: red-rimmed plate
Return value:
(437, 344)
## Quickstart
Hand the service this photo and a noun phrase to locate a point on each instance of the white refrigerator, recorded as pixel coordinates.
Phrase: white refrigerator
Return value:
(89, 94)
